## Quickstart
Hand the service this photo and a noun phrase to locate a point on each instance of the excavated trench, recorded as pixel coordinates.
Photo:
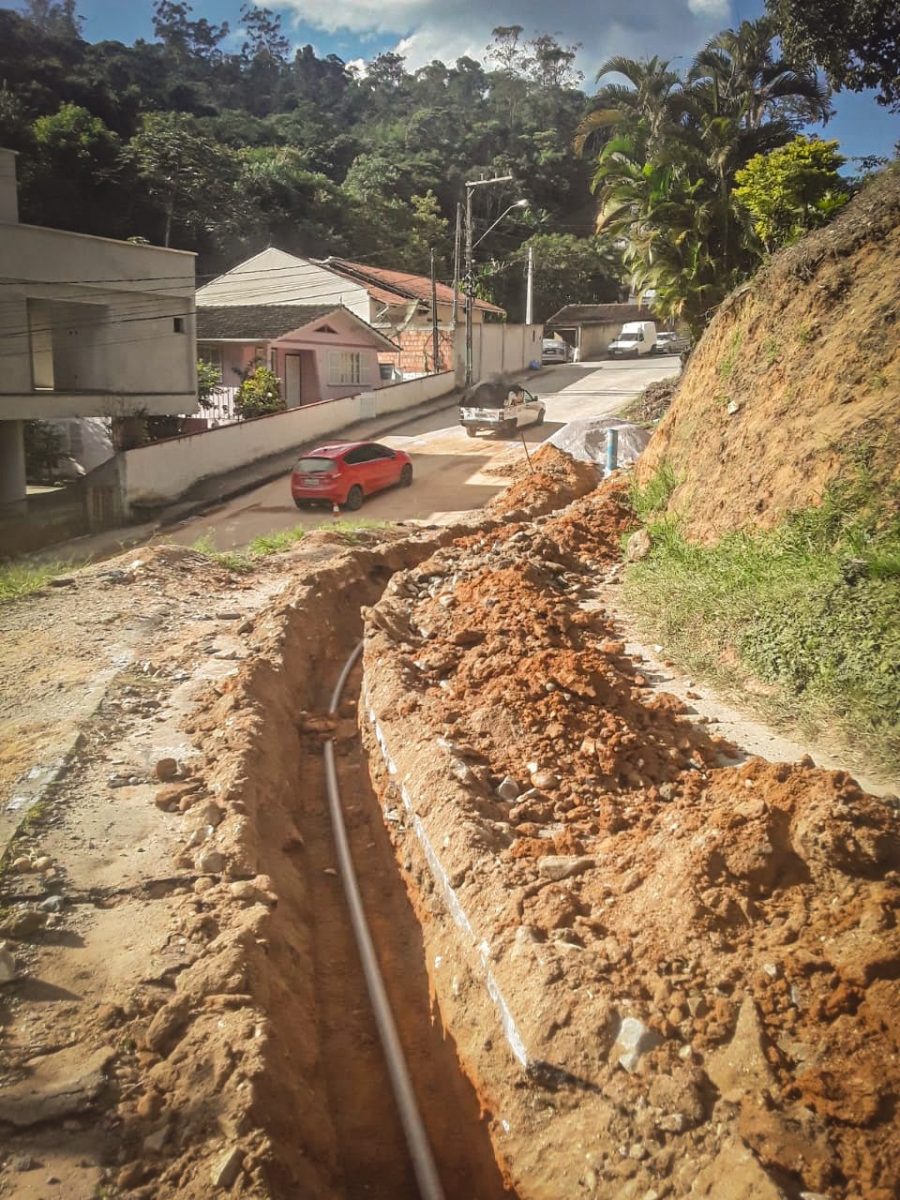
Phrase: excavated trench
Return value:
(324, 1096)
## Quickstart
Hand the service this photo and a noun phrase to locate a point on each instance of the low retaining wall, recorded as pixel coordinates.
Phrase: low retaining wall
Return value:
(163, 471)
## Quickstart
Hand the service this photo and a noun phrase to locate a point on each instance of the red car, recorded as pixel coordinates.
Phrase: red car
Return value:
(346, 472)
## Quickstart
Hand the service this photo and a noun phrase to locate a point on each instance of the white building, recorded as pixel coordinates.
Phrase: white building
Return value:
(89, 327)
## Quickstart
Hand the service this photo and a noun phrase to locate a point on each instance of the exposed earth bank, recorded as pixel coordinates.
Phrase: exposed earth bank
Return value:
(796, 380)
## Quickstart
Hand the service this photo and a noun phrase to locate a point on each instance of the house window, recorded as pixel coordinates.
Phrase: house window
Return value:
(178, 325)
(345, 366)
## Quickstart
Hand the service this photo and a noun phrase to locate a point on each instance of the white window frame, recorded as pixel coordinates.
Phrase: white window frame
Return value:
(345, 367)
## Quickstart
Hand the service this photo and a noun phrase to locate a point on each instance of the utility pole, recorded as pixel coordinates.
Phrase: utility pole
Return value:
(471, 185)
(435, 339)
(470, 284)
(529, 288)
(457, 243)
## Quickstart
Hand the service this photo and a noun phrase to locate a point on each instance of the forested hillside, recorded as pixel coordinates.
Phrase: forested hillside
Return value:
(181, 143)
(695, 175)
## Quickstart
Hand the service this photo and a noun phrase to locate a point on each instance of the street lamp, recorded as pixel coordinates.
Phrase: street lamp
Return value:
(517, 204)
(471, 185)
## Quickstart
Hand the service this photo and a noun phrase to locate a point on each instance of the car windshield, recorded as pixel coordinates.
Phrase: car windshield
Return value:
(316, 466)
(628, 337)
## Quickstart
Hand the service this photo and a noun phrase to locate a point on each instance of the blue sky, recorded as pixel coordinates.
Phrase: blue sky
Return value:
(445, 29)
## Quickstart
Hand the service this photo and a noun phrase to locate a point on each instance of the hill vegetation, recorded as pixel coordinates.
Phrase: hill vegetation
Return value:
(193, 142)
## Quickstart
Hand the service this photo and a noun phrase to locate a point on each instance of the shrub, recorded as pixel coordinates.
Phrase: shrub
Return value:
(259, 393)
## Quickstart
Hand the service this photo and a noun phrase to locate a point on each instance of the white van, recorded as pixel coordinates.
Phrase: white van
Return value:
(636, 339)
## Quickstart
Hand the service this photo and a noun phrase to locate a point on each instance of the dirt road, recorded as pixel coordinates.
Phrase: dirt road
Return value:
(452, 471)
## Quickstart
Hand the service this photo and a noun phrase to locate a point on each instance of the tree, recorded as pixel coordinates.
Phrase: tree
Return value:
(186, 38)
(266, 43)
(553, 65)
(567, 270)
(665, 177)
(738, 75)
(70, 180)
(43, 450)
(856, 42)
(209, 380)
(654, 101)
(59, 18)
(792, 189)
(184, 172)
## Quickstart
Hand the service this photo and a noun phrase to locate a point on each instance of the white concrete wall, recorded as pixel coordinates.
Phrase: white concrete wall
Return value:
(163, 471)
(118, 353)
(498, 349)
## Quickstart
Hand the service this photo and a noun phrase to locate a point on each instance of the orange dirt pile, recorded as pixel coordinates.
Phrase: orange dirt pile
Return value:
(619, 867)
(551, 479)
(798, 373)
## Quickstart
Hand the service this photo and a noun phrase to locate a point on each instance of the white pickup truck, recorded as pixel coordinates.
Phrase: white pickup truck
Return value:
(499, 407)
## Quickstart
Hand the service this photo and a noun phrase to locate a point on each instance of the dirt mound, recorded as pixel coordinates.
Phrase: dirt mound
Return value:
(702, 956)
(797, 375)
(653, 403)
(551, 479)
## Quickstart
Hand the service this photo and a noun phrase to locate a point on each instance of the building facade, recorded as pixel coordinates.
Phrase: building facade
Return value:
(89, 327)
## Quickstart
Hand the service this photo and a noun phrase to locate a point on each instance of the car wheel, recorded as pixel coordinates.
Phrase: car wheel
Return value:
(300, 503)
(541, 416)
(470, 433)
(507, 429)
(406, 475)
(354, 498)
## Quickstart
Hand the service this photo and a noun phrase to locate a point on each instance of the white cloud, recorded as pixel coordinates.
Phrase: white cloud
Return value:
(447, 29)
(719, 10)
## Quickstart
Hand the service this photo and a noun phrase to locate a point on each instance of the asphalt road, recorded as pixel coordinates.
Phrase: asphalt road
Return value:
(452, 471)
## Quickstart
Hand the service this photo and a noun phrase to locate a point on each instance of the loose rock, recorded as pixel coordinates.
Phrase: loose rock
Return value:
(166, 769)
(226, 1168)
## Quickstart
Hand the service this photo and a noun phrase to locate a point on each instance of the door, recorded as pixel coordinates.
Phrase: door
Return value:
(385, 471)
(292, 380)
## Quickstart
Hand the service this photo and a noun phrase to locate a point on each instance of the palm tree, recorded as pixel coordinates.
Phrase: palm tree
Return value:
(654, 100)
(741, 77)
(665, 174)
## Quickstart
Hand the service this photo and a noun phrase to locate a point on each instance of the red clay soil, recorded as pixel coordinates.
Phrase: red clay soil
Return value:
(745, 914)
(551, 479)
(796, 380)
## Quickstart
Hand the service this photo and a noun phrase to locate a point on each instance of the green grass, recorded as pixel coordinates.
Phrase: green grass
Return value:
(809, 609)
(19, 579)
(230, 559)
(352, 530)
(274, 543)
(729, 359)
(243, 561)
(648, 501)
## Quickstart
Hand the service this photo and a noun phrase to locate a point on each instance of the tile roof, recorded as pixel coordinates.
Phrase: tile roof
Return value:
(387, 286)
(256, 322)
(598, 314)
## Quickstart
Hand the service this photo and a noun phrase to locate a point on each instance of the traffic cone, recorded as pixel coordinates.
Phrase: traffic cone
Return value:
(336, 509)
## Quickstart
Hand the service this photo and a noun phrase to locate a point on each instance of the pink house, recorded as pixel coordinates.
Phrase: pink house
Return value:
(319, 352)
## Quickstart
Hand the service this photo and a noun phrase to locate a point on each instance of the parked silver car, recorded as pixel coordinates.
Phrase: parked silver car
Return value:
(555, 350)
(669, 342)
